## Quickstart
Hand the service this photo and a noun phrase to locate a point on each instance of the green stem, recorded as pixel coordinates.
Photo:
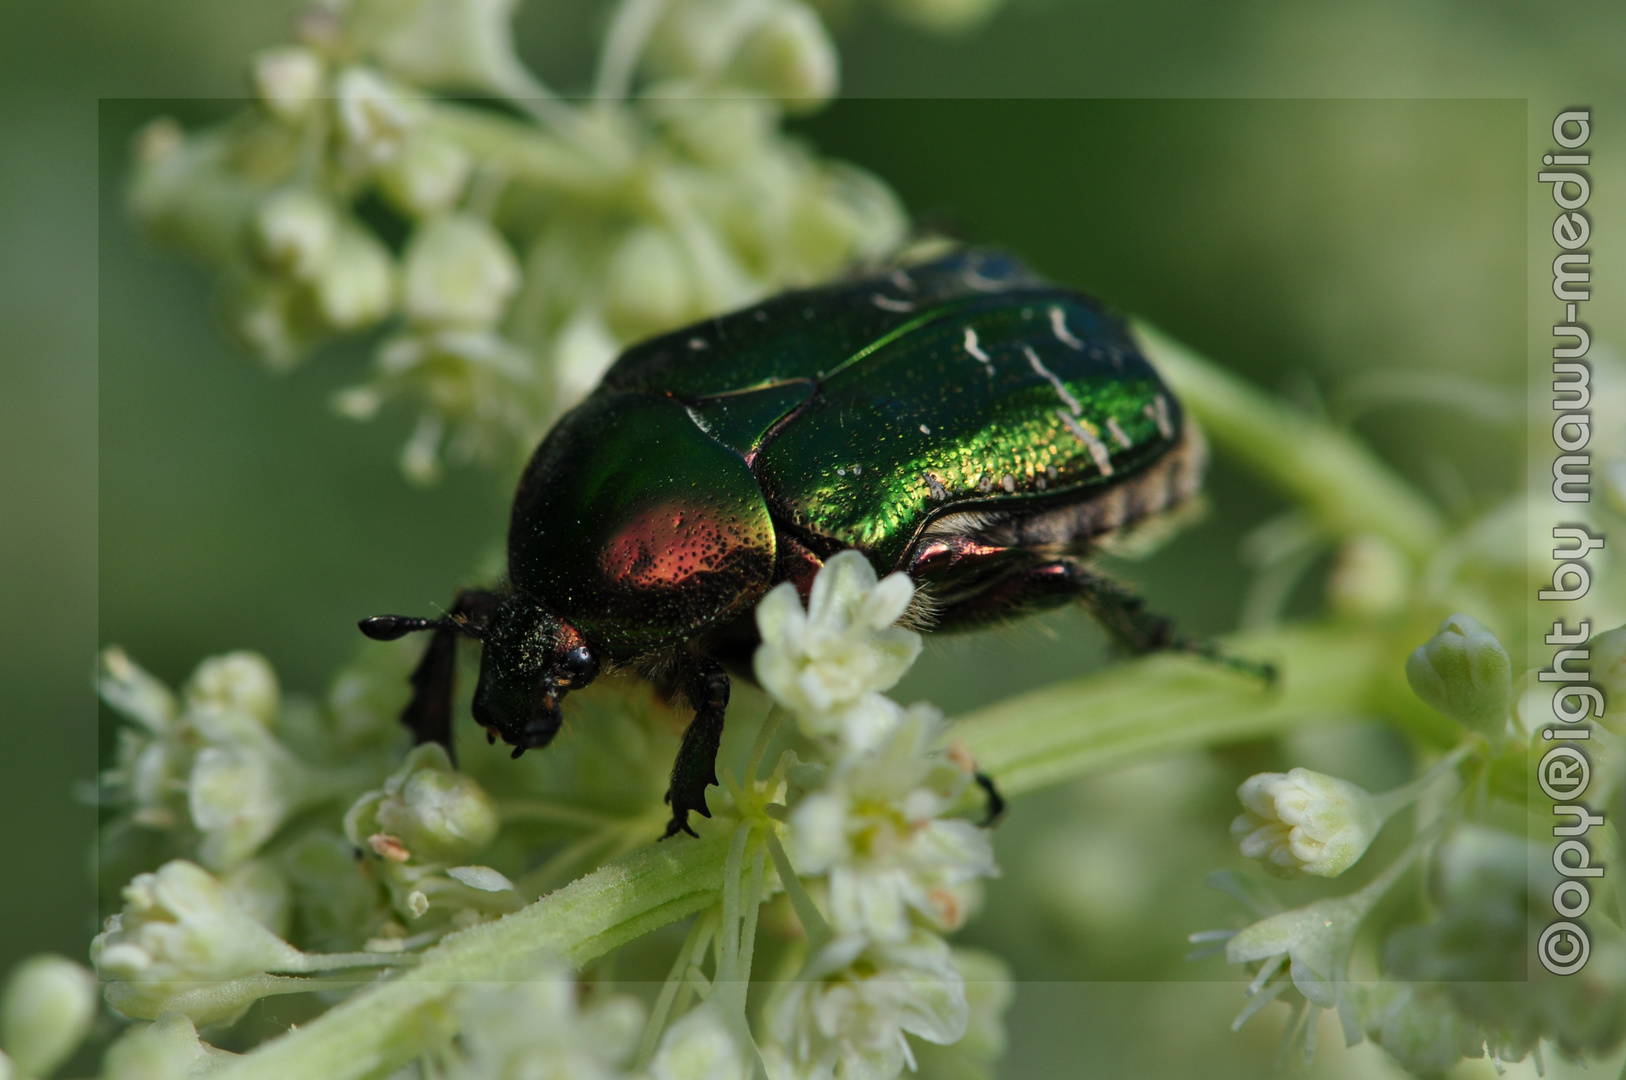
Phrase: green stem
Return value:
(384, 1026)
(1342, 485)
(1165, 704)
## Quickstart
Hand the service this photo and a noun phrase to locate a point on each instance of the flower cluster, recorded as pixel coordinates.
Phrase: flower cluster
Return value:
(870, 834)
(507, 255)
(214, 768)
(1456, 986)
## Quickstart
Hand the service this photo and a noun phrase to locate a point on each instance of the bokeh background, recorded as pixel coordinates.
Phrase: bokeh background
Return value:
(1312, 193)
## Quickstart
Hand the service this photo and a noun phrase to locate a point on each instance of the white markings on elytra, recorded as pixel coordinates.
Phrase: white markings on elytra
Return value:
(1058, 326)
(1083, 433)
(1067, 398)
(1158, 412)
(972, 347)
(902, 280)
(924, 430)
(1008, 483)
(886, 303)
(697, 343)
(938, 491)
(1118, 433)
(699, 421)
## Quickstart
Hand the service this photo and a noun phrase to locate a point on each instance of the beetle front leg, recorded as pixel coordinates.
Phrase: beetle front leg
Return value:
(695, 769)
(429, 714)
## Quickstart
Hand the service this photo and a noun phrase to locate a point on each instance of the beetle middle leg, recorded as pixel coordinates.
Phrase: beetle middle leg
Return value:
(706, 685)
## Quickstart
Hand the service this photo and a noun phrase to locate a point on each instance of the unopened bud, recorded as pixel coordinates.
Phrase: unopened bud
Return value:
(287, 80)
(239, 681)
(1304, 822)
(49, 1004)
(1369, 578)
(293, 233)
(426, 177)
(459, 272)
(374, 117)
(356, 287)
(790, 58)
(1464, 672)
(435, 813)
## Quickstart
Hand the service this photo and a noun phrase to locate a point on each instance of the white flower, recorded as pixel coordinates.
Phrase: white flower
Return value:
(1304, 822)
(843, 649)
(539, 1030)
(179, 925)
(874, 829)
(47, 1010)
(458, 272)
(849, 1014)
(699, 1047)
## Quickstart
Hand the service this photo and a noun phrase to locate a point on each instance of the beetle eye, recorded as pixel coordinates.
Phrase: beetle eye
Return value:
(579, 666)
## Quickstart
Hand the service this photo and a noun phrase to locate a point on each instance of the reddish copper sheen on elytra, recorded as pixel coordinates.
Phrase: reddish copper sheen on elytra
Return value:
(663, 547)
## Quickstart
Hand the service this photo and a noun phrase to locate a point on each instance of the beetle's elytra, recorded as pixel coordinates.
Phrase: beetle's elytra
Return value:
(963, 421)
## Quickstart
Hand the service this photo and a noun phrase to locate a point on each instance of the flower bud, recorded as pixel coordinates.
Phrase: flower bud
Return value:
(432, 811)
(426, 177)
(129, 689)
(356, 286)
(1304, 822)
(293, 233)
(789, 57)
(239, 682)
(1464, 672)
(648, 286)
(1369, 578)
(374, 117)
(49, 1004)
(180, 926)
(287, 80)
(459, 272)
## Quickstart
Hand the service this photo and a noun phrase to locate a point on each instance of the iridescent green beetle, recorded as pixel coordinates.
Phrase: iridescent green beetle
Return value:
(962, 421)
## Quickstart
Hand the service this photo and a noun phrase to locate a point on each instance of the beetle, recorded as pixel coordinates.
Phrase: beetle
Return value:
(962, 420)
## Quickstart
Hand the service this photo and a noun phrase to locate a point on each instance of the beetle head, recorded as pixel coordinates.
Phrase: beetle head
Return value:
(532, 658)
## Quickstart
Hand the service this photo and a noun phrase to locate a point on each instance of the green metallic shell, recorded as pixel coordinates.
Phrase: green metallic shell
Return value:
(636, 527)
(996, 407)
(851, 416)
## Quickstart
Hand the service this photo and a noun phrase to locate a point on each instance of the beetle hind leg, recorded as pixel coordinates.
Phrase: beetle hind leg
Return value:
(707, 688)
(1040, 585)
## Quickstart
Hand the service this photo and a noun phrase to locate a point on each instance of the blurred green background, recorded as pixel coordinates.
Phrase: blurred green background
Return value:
(159, 491)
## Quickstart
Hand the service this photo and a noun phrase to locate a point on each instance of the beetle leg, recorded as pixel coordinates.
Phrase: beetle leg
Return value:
(1040, 586)
(695, 769)
(429, 714)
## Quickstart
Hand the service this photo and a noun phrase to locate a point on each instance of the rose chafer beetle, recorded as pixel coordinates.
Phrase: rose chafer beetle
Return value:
(963, 421)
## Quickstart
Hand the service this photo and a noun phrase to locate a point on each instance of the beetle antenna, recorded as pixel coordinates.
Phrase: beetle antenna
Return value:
(394, 627)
